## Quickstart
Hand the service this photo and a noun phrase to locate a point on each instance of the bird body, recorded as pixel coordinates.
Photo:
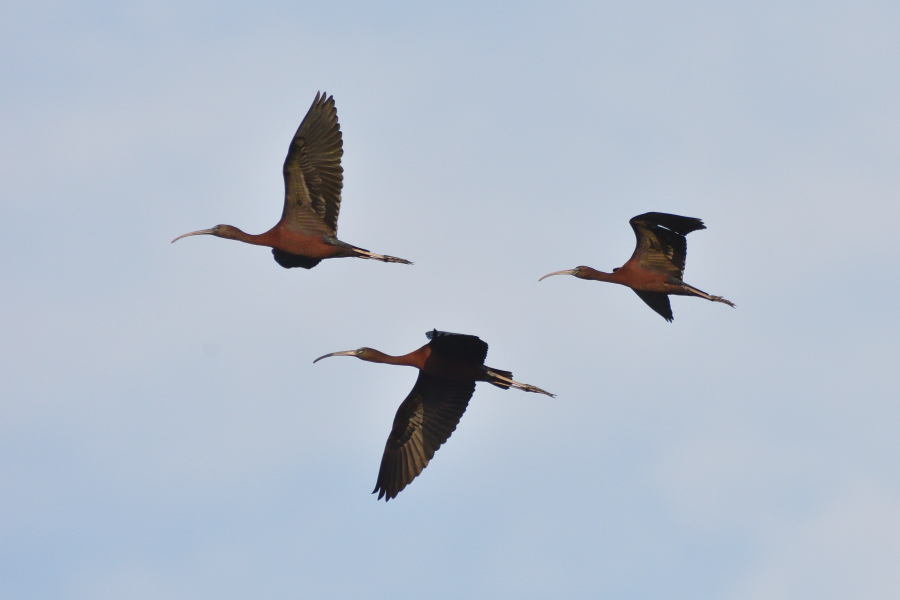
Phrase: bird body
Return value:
(642, 280)
(313, 177)
(449, 365)
(656, 269)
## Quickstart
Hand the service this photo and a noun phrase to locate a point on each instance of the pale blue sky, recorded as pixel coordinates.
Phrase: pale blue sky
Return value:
(164, 433)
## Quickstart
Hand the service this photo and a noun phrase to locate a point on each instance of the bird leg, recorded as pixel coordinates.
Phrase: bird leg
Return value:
(531, 388)
(723, 301)
(363, 253)
(519, 386)
(692, 290)
(382, 257)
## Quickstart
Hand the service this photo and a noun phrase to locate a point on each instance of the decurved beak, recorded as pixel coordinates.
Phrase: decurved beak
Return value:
(566, 272)
(344, 353)
(201, 232)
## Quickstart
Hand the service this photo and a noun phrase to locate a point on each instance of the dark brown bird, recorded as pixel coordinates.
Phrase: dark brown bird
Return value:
(313, 179)
(656, 269)
(449, 365)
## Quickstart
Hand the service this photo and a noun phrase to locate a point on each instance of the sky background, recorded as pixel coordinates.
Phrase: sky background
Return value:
(165, 435)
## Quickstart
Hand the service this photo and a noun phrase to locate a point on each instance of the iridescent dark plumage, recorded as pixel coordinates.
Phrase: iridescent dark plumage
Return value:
(313, 178)
(449, 365)
(656, 269)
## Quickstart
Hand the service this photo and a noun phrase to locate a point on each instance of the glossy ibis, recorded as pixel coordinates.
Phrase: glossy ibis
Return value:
(313, 178)
(449, 365)
(656, 269)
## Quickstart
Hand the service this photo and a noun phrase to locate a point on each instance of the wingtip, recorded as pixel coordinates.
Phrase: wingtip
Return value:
(381, 493)
(678, 223)
(322, 97)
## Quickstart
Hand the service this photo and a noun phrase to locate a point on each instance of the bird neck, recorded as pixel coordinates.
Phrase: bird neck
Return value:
(233, 233)
(413, 359)
(595, 275)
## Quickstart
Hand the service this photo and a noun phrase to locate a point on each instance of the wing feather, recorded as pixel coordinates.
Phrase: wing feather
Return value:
(658, 302)
(661, 245)
(313, 176)
(289, 261)
(424, 421)
(464, 349)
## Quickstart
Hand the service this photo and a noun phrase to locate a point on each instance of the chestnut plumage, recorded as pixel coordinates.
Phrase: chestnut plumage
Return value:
(313, 178)
(656, 269)
(449, 365)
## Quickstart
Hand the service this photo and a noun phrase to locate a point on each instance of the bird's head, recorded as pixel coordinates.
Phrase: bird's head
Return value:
(579, 272)
(222, 231)
(361, 353)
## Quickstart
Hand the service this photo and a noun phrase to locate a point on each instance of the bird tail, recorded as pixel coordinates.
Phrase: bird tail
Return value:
(504, 380)
(709, 297)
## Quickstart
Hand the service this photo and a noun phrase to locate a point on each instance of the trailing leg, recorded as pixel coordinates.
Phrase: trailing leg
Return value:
(382, 257)
(351, 250)
(503, 379)
(694, 291)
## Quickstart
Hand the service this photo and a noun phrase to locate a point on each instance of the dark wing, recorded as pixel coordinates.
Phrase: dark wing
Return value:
(661, 246)
(424, 421)
(465, 349)
(289, 261)
(658, 302)
(313, 176)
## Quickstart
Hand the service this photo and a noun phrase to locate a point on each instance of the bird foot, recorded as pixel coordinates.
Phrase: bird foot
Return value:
(723, 301)
(531, 388)
(521, 386)
(382, 257)
(394, 259)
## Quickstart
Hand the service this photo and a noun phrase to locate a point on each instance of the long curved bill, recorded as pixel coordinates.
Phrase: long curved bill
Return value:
(201, 232)
(344, 353)
(566, 272)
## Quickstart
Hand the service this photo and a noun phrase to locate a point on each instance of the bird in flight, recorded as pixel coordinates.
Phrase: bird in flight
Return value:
(449, 365)
(313, 178)
(656, 269)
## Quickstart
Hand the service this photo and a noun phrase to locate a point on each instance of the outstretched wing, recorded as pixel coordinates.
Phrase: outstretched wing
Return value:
(463, 349)
(313, 176)
(661, 246)
(424, 421)
(658, 302)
